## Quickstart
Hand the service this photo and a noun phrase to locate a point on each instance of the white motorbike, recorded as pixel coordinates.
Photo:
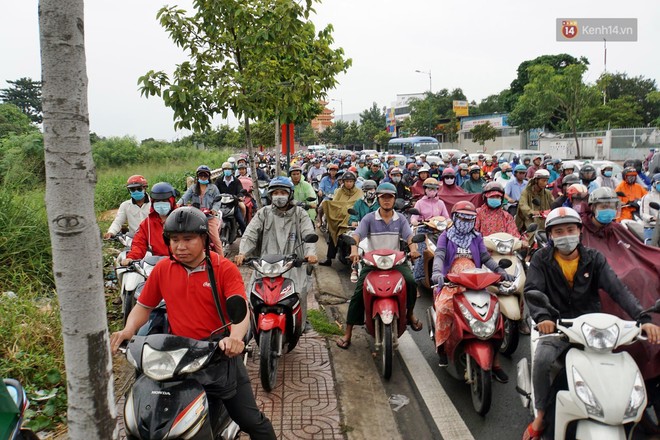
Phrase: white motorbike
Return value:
(132, 279)
(605, 389)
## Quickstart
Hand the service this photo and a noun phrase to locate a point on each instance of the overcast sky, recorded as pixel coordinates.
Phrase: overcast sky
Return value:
(475, 45)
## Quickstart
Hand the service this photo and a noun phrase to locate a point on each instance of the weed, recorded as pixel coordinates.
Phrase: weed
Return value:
(322, 324)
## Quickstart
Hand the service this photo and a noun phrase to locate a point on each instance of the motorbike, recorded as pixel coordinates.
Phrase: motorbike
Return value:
(476, 333)
(509, 294)
(229, 228)
(435, 227)
(165, 401)
(133, 278)
(13, 402)
(263, 192)
(384, 293)
(276, 305)
(601, 390)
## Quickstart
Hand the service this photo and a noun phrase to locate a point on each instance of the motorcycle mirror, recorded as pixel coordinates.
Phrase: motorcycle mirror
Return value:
(654, 205)
(311, 238)
(311, 199)
(620, 194)
(531, 228)
(505, 263)
(350, 240)
(539, 299)
(352, 211)
(419, 238)
(236, 308)
(413, 211)
(536, 202)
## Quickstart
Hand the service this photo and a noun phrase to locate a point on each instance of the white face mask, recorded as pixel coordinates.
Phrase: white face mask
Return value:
(396, 179)
(566, 244)
(280, 201)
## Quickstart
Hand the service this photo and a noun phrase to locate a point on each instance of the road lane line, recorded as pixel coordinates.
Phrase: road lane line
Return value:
(445, 416)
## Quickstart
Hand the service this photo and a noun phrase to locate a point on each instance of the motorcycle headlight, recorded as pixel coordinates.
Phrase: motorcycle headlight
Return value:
(274, 269)
(196, 364)
(600, 339)
(504, 246)
(481, 329)
(160, 365)
(384, 262)
(636, 397)
(585, 394)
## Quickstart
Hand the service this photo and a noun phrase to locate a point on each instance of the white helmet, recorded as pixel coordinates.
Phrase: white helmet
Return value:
(561, 216)
(542, 174)
(375, 162)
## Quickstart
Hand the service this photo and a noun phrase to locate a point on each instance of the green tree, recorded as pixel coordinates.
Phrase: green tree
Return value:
(425, 113)
(500, 103)
(382, 138)
(26, 95)
(484, 132)
(654, 99)
(13, 121)
(372, 121)
(352, 135)
(616, 113)
(620, 85)
(263, 133)
(305, 134)
(261, 59)
(550, 93)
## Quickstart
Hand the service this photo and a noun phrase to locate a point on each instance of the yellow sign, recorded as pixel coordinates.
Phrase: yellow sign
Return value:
(460, 108)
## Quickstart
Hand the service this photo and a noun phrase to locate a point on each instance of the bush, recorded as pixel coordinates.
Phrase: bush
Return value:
(22, 160)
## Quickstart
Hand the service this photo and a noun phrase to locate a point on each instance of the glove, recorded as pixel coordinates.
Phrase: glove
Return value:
(437, 279)
(507, 277)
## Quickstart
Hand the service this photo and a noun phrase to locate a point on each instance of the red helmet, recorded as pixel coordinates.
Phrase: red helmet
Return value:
(464, 207)
(136, 181)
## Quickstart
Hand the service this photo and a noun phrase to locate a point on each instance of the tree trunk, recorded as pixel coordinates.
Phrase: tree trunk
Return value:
(253, 164)
(577, 144)
(74, 234)
(278, 147)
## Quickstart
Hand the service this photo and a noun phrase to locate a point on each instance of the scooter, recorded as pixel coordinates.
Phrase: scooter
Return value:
(509, 294)
(605, 389)
(263, 192)
(384, 293)
(476, 333)
(133, 278)
(277, 309)
(435, 227)
(13, 403)
(229, 228)
(166, 401)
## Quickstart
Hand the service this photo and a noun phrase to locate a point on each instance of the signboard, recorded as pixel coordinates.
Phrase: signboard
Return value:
(391, 122)
(495, 121)
(596, 29)
(461, 108)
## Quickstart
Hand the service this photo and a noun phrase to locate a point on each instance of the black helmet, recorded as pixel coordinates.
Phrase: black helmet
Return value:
(203, 169)
(162, 191)
(348, 175)
(570, 180)
(185, 219)
(588, 169)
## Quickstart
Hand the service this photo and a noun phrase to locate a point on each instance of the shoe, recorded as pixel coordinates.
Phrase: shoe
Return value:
(443, 361)
(343, 343)
(326, 262)
(499, 375)
(354, 276)
(415, 324)
(523, 327)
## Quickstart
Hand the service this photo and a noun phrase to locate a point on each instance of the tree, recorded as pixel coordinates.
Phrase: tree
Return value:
(382, 139)
(26, 95)
(616, 113)
(13, 121)
(500, 103)
(305, 134)
(263, 133)
(372, 121)
(549, 93)
(484, 132)
(620, 85)
(74, 233)
(260, 60)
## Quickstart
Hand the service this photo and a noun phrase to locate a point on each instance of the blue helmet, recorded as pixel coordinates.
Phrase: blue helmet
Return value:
(162, 191)
(520, 168)
(281, 183)
(203, 169)
(386, 188)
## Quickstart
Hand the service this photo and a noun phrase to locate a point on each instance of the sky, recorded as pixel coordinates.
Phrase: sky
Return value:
(476, 45)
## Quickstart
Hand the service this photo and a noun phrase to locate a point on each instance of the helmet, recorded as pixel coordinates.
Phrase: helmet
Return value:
(505, 166)
(395, 170)
(227, 166)
(449, 172)
(241, 166)
(375, 162)
(368, 184)
(431, 183)
(185, 219)
(411, 166)
(161, 191)
(461, 166)
(203, 169)
(333, 166)
(520, 168)
(537, 156)
(281, 183)
(603, 195)
(136, 181)
(586, 170)
(352, 169)
(464, 207)
(386, 188)
(231, 160)
(655, 178)
(577, 189)
(348, 176)
(562, 216)
(424, 169)
(315, 161)
(493, 188)
(570, 180)
(629, 171)
(474, 168)
(295, 168)
(542, 174)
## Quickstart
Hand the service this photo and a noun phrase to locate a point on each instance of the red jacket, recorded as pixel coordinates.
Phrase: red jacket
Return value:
(149, 236)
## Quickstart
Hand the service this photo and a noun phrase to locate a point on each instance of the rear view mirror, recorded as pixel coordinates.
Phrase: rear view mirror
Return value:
(505, 263)
(311, 199)
(532, 227)
(620, 194)
(536, 202)
(236, 308)
(654, 205)
(540, 299)
(311, 238)
(413, 211)
(419, 238)
(352, 211)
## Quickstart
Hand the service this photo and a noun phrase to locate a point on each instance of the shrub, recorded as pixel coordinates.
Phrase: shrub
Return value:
(22, 160)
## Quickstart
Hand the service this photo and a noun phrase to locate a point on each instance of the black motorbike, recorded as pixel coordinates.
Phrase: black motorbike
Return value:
(229, 229)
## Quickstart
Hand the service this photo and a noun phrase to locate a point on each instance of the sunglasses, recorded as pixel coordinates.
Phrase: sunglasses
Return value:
(203, 175)
(465, 218)
(135, 189)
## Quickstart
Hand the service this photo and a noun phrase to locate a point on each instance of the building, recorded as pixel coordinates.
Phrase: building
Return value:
(324, 119)
(508, 137)
(399, 111)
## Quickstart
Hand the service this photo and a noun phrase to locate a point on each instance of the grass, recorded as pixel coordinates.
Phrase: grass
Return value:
(322, 323)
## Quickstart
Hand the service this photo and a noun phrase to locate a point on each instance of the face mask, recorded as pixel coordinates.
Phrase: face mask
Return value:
(280, 201)
(631, 180)
(607, 173)
(449, 181)
(567, 244)
(137, 195)
(370, 195)
(463, 226)
(551, 167)
(657, 186)
(162, 208)
(494, 202)
(396, 179)
(605, 216)
(227, 173)
(507, 173)
(431, 193)
(203, 182)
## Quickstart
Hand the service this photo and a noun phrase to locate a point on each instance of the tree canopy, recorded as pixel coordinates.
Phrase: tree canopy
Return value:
(484, 132)
(26, 95)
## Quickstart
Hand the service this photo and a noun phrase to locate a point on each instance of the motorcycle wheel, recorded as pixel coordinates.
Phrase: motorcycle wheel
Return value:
(268, 359)
(224, 235)
(480, 388)
(128, 301)
(233, 231)
(386, 351)
(511, 337)
(26, 434)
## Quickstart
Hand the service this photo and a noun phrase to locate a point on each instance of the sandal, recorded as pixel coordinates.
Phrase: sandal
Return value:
(416, 325)
(343, 343)
(531, 434)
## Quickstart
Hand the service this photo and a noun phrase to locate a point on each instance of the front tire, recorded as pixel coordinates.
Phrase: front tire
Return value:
(387, 349)
(268, 358)
(128, 301)
(511, 337)
(480, 388)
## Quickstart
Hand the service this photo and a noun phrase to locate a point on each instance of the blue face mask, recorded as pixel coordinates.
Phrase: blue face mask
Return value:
(605, 216)
(494, 202)
(607, 173)
(204, 182)
(657, 186)
(137, 195)
(551, 167)
(227, 173)
(162, 208)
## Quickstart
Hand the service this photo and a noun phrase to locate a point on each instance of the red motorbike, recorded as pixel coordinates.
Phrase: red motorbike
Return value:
(384, 293)
(275, 302)
(476, 334)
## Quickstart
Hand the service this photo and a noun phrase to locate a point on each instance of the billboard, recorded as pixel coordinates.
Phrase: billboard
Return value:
(460, 108)
(495, 121)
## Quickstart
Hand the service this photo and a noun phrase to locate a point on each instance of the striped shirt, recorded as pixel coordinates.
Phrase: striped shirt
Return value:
(381, 235)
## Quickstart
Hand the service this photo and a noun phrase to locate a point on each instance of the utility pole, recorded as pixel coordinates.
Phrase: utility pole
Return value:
(430, 93)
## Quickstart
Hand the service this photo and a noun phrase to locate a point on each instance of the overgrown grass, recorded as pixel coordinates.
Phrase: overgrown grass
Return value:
(322, 324)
